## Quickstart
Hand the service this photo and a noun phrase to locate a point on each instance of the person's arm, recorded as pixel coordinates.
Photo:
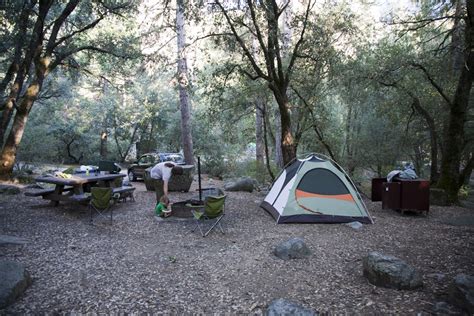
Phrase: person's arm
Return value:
(165, 187)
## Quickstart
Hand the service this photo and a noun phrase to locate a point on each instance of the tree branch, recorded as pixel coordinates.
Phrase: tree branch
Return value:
(58, 23)
(433, 82)
(298, 43)
(242, 44)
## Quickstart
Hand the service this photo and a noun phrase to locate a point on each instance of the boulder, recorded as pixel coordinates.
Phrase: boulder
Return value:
(285, 307)
(443, 308)
(244, 184)
(355, 225)
(9, 189)
(294, 248)
(15, 280)
(438, 197)
(390, 272)
(461, 292)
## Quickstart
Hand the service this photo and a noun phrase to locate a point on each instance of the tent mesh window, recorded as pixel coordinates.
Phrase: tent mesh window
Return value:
(322, 181)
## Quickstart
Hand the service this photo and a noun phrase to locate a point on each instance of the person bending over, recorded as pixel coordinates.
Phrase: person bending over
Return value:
(164, 171)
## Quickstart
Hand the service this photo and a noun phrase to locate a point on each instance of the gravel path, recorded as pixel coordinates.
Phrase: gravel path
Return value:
(141, 264)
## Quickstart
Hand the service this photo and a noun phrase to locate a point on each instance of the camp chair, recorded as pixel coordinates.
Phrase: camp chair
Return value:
(213, 209)
(101, 200)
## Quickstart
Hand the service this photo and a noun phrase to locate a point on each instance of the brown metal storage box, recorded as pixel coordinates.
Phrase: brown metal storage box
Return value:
(406, 195)
(377, 188)
(415, 195)
(391, 195)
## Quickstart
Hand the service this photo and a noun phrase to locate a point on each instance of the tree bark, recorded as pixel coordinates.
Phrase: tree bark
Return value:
(103, 143)
(24, 66)
(186, 135)
(278, 137)
(454, 141)
(434, 173)
(259, 141)
(265, 140)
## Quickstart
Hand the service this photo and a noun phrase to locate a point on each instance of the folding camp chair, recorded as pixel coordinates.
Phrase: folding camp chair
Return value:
(101, 200)
(213, 209)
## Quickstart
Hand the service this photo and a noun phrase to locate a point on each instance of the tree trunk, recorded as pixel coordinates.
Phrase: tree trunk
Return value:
(8, 154)
(265, 140)
(349, 144)
(24, 67)
(434, 174)
(277, 135)
(454, 142)
(103, 144)
(259, 141)
(186, 135)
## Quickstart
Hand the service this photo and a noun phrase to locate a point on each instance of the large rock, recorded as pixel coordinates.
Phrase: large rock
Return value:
(244, 184)
(14, 281)
(390, 272)
(294, 248)
(438, 197)
(285, 307)
(9, 189)
(461, 292)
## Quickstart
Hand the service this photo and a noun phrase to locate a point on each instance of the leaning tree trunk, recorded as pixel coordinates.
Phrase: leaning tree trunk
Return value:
(186, 135)
(9, 151)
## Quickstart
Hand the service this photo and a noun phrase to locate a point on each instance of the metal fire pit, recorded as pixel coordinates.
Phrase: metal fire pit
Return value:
(179, 209)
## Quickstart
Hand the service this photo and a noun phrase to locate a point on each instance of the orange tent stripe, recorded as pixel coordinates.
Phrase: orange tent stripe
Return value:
(344, 197)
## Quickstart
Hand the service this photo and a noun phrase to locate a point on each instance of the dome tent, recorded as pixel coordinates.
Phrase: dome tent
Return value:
(315, 190)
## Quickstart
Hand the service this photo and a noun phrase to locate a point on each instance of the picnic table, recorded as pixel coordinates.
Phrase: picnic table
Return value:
(72, 189)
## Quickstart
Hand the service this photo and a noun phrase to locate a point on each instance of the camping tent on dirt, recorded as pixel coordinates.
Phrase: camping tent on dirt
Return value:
(315, 190)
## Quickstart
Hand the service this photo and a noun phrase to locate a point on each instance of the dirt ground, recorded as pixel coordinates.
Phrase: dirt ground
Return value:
(142, 264)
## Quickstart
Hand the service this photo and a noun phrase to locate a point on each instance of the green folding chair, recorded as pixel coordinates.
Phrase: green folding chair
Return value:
(101, 200)
(213, 209)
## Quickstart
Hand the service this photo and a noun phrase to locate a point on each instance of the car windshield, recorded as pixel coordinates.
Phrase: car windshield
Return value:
(173, 157)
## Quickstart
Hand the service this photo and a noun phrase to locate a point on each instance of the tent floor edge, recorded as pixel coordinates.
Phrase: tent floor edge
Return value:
(323, 219)
(270, 209)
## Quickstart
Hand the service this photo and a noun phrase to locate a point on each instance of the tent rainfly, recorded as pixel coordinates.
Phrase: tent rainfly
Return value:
(315, 190)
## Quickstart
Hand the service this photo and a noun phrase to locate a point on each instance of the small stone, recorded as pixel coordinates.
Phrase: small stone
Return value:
(294, 248)
(285, 307)
(390, 272)
(437, 276)
(355, 225)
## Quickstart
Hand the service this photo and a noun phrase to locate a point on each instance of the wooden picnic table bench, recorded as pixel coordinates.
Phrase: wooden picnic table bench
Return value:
(41, 192)
(72, 189)
(124, 192)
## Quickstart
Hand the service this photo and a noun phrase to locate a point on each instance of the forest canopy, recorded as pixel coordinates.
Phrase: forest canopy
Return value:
(246, 85)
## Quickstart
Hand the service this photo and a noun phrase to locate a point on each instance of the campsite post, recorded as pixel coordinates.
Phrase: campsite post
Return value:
(199, 178)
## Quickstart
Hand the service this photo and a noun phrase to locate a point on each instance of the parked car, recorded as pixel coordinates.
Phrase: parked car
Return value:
(137, 169)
